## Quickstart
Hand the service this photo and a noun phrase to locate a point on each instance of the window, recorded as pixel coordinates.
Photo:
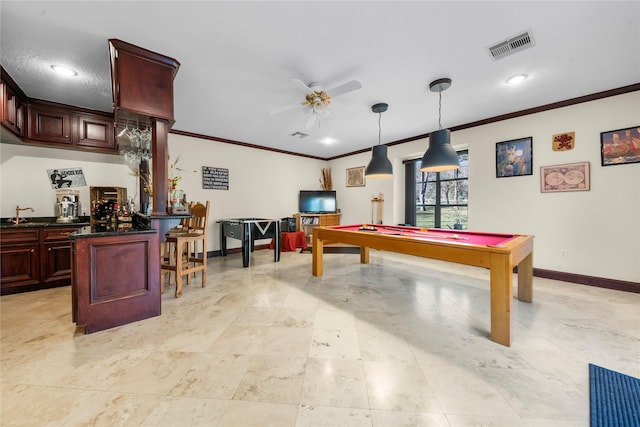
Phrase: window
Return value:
(437, 199)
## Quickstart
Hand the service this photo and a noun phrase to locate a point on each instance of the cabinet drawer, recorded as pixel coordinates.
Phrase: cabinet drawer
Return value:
(57, 233)
(19, 236)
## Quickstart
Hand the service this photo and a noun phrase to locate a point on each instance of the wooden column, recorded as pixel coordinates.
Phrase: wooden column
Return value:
(160, 165)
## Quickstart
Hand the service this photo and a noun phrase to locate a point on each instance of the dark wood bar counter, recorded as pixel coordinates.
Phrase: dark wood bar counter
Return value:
(115, 275)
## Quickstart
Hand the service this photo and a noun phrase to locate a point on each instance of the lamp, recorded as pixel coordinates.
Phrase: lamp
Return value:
(440, 156)
(379, 166)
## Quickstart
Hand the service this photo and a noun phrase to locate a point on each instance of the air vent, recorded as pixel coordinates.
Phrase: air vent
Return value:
(299, 135)
(512, 45)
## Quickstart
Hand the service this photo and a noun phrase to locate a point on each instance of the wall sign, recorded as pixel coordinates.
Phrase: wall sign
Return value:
(215, 178)
(66, 178)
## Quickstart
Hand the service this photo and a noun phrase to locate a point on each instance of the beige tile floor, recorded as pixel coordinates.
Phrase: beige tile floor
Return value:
(399, 342)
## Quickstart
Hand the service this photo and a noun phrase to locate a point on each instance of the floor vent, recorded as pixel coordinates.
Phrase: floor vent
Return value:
(512, 45)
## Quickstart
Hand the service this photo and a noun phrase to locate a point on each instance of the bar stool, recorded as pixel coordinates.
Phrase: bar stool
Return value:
(186, 249)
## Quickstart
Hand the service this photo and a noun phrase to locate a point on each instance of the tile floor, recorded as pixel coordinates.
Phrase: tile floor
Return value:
(399, 342)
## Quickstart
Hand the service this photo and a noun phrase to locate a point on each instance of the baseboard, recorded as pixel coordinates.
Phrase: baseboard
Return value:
(599, 282)
(580, 279)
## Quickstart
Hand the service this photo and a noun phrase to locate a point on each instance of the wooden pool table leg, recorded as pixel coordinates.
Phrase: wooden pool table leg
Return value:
(525, 279)
(317, 249)
(364, 255)
(501, 298)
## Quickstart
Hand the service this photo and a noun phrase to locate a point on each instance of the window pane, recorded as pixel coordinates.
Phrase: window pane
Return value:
(425, 216)
(454, 217)
(454, 192)
(463, 157)
(425, 193)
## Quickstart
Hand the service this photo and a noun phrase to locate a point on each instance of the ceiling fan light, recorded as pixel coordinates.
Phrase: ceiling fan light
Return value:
(440, 156)
(380, 166)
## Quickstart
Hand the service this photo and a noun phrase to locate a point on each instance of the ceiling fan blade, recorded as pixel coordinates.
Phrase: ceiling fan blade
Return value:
(302, 85)
(285, 108)
(342, 89)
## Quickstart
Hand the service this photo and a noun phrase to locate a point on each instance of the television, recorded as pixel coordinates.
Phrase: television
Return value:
(317, 202)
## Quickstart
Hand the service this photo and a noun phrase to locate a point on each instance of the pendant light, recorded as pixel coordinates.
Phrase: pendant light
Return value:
(379, 166)
(440, 156)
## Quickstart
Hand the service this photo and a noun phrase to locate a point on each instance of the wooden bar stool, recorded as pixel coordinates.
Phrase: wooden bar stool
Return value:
(186, 249)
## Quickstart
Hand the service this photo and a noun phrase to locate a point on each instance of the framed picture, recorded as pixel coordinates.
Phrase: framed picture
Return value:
(618, 147)
(514, 158)
(569, 177)
(355, 177)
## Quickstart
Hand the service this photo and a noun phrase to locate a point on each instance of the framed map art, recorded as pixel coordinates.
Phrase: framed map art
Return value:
(569, 177)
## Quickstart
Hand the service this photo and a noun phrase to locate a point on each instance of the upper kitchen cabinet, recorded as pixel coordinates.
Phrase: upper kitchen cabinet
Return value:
(49, 123)
(64, 126)
(95, 131)
(142, 82)
(12, 104)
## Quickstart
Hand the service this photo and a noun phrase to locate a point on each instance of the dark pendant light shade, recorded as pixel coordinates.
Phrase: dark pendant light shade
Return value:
(440, 156)
(379, 166)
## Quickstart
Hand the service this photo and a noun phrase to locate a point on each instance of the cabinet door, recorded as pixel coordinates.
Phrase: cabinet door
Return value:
(56, 262)
(95, 131)
(56, 255)
(49, 124)
(19, 266)
(11, 111)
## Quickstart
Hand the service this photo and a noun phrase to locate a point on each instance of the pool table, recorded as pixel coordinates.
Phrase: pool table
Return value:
(498, 252)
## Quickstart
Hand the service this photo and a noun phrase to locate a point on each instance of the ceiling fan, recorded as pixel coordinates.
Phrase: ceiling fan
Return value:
(317, 101)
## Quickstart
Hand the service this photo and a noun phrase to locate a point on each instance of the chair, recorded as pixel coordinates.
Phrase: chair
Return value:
(185, 251)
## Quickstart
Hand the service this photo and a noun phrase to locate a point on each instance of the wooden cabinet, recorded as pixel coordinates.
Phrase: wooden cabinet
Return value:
(116, 279)
(19, 260)
(95, 131)
(12, 104)
(142, 82)
(56, 254)
(53, 124)
(63, 126)
(49, 124)
(306, 222)
(34, 258)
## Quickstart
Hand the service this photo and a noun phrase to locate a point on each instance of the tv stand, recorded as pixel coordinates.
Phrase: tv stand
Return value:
(306, 221)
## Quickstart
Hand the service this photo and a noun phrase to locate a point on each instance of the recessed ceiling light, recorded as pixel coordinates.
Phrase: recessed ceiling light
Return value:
(328, 140)
(64, 71)
(516, 79)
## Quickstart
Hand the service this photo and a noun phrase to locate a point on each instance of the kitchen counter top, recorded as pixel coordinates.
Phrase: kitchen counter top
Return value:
(41, 222)
(112, 229)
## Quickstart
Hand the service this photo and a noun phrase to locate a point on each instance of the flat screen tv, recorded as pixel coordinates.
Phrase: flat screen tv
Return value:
(317, 202)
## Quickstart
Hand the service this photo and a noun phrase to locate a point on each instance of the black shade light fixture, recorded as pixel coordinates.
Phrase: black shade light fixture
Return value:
(379, 166)
(440, 156)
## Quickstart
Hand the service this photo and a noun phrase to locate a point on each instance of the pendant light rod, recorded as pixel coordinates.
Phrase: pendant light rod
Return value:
(438, 86)
(379, 108)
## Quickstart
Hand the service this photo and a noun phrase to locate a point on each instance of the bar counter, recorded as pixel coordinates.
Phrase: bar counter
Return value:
(118, 229)
(116, 274)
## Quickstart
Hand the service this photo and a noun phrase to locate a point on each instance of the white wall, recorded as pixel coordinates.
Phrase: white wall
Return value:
(599, 229)
(262, 184)
(24, 180)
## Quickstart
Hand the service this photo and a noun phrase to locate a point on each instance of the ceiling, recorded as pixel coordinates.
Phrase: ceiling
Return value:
(238, 58)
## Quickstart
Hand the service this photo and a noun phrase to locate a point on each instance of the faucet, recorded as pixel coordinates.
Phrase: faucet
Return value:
(17, 220)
